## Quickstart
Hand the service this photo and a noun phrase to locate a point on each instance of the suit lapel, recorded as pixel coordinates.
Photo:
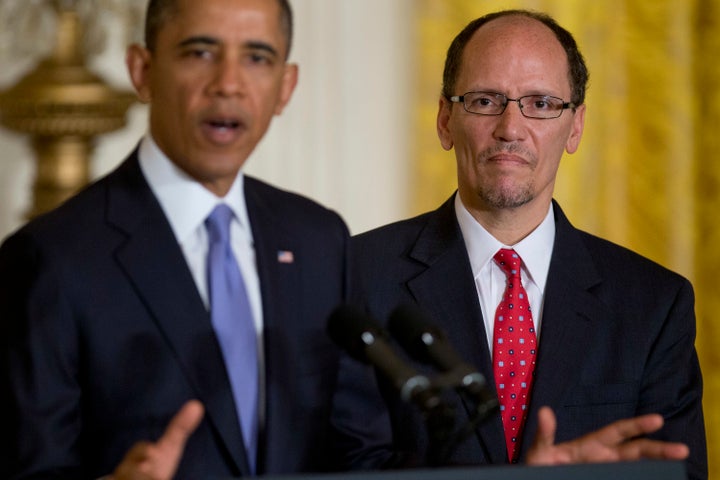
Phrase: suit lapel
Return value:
(446, 290)
(274, 251)
(155, 265)
(279, 273)
(571, 315)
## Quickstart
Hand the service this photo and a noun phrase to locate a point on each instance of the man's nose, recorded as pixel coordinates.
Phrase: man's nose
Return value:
(228, 79)
(511, 123)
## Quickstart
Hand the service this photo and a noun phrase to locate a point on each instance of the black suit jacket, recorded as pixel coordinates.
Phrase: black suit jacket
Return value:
(617, 341)
(104, 335)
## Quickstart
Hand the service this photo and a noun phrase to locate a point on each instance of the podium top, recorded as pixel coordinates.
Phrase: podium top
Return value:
(642, 470)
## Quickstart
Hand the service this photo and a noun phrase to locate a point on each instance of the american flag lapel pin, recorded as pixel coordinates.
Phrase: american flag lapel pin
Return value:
(285, 256)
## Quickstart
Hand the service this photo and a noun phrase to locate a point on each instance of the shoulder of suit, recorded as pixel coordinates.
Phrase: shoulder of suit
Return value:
(441, 219)
(612, 256)
(289, 205)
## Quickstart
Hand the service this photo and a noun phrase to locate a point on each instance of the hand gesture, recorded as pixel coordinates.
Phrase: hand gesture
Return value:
(159, 460)
(619, 441)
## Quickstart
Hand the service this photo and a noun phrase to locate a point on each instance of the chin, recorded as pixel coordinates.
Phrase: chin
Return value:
(506, 198)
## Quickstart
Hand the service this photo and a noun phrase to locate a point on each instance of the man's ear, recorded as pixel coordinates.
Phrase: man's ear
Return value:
(578, 126)
(443, 119)
(289, 81)
(137, 59)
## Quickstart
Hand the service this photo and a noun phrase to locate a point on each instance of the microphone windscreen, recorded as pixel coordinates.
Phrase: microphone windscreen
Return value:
(407, 324)
(346, 326)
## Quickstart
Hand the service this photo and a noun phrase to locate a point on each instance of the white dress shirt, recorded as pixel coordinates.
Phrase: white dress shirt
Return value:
(535, 251)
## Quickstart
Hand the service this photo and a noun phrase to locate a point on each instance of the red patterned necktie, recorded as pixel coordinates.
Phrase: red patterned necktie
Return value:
(514, 346)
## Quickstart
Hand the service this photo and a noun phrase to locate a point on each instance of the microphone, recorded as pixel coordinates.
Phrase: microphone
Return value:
(360, 336)
(428, 343)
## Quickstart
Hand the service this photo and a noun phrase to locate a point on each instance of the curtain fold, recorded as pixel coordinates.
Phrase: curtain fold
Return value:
(707, 205)
(647, 173)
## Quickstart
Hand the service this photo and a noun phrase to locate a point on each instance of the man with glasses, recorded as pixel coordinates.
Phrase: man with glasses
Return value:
(552, 316)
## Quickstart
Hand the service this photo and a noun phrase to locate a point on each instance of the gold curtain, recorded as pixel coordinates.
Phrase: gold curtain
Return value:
(647, 174)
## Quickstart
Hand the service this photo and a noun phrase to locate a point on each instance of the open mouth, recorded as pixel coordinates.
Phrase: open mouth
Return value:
(224, 124)
(222, 131)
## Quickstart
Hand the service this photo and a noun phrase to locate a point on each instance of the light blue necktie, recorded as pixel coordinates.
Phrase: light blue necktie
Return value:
(233, 323)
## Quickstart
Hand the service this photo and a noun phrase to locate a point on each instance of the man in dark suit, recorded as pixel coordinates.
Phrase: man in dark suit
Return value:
(606, 334)
(104, 302)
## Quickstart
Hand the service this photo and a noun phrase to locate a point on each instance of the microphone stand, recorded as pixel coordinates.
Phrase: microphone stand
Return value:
(440, 422)
(440, 426)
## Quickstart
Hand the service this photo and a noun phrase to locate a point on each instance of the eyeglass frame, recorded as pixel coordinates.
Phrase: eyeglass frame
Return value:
(461, 99)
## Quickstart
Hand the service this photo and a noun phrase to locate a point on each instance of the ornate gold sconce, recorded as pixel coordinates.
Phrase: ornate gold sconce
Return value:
(63, 106)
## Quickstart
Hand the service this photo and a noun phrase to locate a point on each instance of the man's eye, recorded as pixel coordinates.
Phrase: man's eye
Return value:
(198, 53)
(260, 59)
(544, 103)
(480, 102)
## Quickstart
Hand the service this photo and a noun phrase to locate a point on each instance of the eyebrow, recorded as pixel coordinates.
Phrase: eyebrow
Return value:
(207, 40)
(198, 39)
(257, 45)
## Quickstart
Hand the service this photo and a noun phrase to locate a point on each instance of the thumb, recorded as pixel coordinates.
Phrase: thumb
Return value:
(540, 453)
(182, 425)
(547, 426)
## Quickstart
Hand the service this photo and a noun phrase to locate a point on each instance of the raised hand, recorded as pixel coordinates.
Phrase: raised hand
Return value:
(159, 460)
(619, 441)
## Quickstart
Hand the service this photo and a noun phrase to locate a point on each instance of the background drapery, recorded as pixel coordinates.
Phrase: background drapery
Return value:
(647, 172)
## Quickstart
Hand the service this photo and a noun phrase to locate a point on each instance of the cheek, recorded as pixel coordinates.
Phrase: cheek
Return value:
(551, 155)
(178, 90)
(551, 143)
(265, 104)
(466, 137)
(186, 106)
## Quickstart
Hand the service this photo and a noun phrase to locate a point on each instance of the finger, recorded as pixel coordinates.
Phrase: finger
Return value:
(182, 425)
(653, 449)
(135, 464)
(138, 452)
(547, 425)
(542, 451)
(147, 460)
(624, 430)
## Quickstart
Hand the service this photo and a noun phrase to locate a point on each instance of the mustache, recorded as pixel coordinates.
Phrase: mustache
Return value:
(225, 109)
(507, 148)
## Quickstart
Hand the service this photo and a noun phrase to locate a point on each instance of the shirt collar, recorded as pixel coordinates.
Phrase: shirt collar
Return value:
(185, 202)
(535, 249)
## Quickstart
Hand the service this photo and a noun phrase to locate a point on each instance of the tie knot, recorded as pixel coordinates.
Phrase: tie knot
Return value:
(218, 224)
(509, 261)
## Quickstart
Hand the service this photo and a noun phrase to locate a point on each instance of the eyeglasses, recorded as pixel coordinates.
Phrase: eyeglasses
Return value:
(531, 106)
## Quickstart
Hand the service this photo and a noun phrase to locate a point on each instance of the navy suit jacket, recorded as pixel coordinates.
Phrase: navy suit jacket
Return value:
(104, 335)
(617, 341)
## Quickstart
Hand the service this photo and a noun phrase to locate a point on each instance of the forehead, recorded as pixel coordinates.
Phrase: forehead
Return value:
(515, 53)
(226, 20)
